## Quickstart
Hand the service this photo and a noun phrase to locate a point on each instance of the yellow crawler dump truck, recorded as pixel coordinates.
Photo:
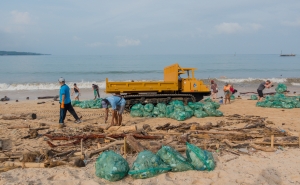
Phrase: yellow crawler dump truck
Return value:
(174, 87)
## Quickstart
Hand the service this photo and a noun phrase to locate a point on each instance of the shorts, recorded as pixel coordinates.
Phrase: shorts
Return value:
(260, 93)
(120, 109)
(104, 104)
(227, 93)
(76, 94)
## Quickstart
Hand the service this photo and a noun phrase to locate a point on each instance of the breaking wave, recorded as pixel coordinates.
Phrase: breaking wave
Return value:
(101, 84)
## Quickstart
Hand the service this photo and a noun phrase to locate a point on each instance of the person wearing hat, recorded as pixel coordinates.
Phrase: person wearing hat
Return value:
(65, 103)
(227, 93)
(76, 92)
(261, 87)
(117, 103)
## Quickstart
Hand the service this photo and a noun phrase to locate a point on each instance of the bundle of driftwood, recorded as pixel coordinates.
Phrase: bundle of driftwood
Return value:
(235, 134)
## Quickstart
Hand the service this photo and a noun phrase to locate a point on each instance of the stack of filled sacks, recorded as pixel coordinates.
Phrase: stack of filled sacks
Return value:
(177, 110)
(113, 167)
(279, 100)
(92, 104)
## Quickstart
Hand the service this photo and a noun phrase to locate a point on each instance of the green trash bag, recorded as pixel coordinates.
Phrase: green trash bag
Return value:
(196, 105)
(178, 107)
(161, 107)
(174, 159)
(155, 111)
(200, 114)
(297, 105)
(268, 98)
(76, 103)
(148, 107)
(111, 166)
(161, 115)
(169, 110)
(214, 112)
(254, 97)
(232, 97)
(287, 105)
(137, 107)
(200, 159)
(274, 104)
(260, 104)
(147, 114)
(148, 165)
(281, 88)
(208, 100)
(177, 103)
(208, 105)
(189, 112)
(137, 113)
(278, 96)
(179, 115)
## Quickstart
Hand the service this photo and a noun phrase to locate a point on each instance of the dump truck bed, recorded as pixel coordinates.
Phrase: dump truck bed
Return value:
(139, 87)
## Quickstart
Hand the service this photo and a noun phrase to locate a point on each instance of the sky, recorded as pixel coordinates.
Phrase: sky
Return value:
(150, 27)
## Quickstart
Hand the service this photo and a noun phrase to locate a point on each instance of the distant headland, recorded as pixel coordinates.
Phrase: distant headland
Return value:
(2, 53)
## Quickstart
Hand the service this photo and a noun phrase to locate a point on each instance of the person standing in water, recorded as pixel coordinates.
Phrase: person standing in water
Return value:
(96, 91)
(76, 92)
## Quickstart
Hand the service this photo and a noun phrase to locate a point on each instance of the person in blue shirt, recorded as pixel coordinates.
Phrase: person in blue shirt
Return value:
(117, 103)
(65, 103)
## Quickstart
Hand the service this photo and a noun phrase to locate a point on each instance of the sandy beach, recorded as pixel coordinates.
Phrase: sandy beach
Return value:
(256, 167)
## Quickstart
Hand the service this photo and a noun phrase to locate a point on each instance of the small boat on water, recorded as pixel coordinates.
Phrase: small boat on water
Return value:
(287, 55)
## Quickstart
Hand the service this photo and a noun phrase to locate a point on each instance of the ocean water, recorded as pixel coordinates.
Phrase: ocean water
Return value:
(42, 72)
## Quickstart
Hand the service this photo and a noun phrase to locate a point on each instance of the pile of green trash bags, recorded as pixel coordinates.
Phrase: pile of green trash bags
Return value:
(113, 167)
(279, 100)
(88, 104)
(177, 110)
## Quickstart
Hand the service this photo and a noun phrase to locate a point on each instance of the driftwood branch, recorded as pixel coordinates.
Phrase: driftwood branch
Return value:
(134, 144)
(121, 142)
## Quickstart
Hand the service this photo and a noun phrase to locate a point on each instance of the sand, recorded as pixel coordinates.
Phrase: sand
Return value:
(280, 167)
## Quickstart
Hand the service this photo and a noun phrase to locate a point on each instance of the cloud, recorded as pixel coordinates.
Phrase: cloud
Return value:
(123, 42)
(292, 23)
(230, 28)
(20, 17)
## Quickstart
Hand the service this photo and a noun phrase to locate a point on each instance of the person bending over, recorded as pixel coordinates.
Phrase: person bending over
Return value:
(261, 87)
(117, 103)
(96, 91)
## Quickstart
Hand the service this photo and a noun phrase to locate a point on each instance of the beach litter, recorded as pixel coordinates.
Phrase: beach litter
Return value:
(177, 110)
(279, 100)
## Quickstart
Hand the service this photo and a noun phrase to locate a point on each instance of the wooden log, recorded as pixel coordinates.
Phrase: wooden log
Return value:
(47, 97)
(26, 165)
(272, 141)
(28, 116)
(265, 149)
(1, 145)
(125, 129)
(134, 144)
(121, 142)
(17, 127)
(283, 144)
